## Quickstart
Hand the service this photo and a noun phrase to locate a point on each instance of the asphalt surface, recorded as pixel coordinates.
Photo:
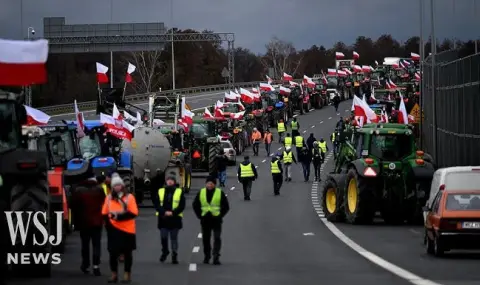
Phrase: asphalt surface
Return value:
(283, 240)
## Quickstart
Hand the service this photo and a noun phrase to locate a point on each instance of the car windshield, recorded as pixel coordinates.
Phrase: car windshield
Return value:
(391, 147)
(332, 82)
(90, 147)
(462, 181)
(226, 145)
(9, 137)
(463, 202)
(200, 130)
(57, 159)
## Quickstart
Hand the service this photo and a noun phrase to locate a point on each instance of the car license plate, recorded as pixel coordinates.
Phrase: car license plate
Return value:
(471, 225)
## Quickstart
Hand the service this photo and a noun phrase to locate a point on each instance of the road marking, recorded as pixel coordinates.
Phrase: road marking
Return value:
(264, 160)
(233, 188)
(196, 249)
(279, 148)
(321, 122)
(414, 231)
(392, 268)
(199, 235)
(271, 154)
(192, 267)
(295, 115)
(312, 110)
(329, 118)
(346, 110)
(308, 234)
(312, 127)
(304, 131)
(256, 166)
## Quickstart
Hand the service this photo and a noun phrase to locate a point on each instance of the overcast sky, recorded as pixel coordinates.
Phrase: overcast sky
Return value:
(254, 22)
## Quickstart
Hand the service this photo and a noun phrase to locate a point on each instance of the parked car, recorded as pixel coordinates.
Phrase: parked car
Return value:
(452, 212)
(229, 151)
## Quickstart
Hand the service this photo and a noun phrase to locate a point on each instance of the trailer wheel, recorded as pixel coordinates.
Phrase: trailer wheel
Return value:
(213, 151)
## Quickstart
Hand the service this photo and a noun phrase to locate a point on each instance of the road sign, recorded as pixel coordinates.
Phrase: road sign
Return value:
(415, 112)
(225, 72)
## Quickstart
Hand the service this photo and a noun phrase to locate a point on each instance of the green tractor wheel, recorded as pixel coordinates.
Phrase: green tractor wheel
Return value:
(332, 198)
(359, 200)
(213, 151)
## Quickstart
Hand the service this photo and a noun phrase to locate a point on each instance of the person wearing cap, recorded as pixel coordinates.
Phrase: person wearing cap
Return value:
(86, 205)
(288, 158)
(256, 138)
(277, 173)
(120, 210)
(246, 174)
(170, 204)
(210, 206)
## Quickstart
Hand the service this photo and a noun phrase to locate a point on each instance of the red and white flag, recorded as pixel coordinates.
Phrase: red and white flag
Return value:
(207, 114)
(361, 109)
(392, 85)
(80, 120)
(324, 79)
(22, 63)
(332, 71)
(218, 113)
(116, 125)
(339, 55)
(219, 104)
(415, 56)
(269, 80)
(36, 117)
(341, 73)
(366, 68)
(287, 77)
(357, 68)
(402, 112)
(256, 95)
(237, 116)
(102, 73)
(307, 81)
(246, 96)
(230, 96)
(131, 69)
(347, 71)
(187, 115)
(285, 91)
(417, 76)
(356, 55)
(183, 124)
(384, 117)
(293, 83)
(266, 87)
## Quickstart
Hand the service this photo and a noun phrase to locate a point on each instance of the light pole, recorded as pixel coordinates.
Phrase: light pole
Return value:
(421, 46)
(111, 52)
(475, 19)
(173, 50)
(28, 89)
(453, 23)
(434, 54)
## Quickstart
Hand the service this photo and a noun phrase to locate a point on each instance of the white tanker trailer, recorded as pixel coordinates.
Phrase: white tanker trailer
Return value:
(153, 156)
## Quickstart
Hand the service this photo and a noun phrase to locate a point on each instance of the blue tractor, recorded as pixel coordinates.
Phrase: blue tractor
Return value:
(102, 152)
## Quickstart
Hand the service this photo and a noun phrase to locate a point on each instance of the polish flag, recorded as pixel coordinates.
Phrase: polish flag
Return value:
(339, 55)
(218, 113)
(308, 82)
(384, 117)
(266, 87)
(237, 96)
(293, 83)
(395, 65)
(393, 85)
(287, 77)
(255, 91)
(36, 117)
(356, 55)
(387, 85)
(347, 71)
(269, 80)
(415, 56)
(332, 71)
(341, 73)
(207, 114)
(80, 120)
(183, 124)
(361, 109)
(402, 112)
(230, 96)
(366, 68)
(131, 69)
(357, 68)
(102, 73)
(246, 96)
(285, 91)
(324, 79)
(116, 125)
(237, 116)
(219, 104)
(22, 63)
(417, 76)
(187, 115)
(256, 95)
(236, 91)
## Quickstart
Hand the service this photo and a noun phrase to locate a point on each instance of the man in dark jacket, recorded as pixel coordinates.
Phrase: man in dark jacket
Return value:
(277, 173)
(170, 204)
(210, 206)
(317, 158)
(222, 163)
(305, 158)
(87, 202)
(247, 173)
(310, 141)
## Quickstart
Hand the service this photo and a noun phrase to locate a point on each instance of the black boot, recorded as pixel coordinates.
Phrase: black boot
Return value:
(206, 259)
(165, 251)
(174, 258)
(96, 271)
(85, 269)
(216, 260)
(164, 256)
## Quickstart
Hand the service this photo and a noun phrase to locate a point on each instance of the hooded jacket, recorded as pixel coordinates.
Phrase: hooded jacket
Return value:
(246, 162)
(86, 204)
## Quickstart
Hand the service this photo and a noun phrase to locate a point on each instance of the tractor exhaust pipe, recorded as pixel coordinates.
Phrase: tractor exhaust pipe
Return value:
(146, 181)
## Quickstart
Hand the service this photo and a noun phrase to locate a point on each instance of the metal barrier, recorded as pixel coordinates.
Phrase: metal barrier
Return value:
(451, 128)
(91, 105)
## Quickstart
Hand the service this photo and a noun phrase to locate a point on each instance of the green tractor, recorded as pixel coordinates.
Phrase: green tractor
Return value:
(204, 145)
(378, 169)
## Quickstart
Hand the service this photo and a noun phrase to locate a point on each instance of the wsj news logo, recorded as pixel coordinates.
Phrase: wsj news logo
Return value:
(22, 225)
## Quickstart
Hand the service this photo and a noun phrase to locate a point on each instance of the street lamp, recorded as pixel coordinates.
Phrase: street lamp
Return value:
(30, 31)
(173, 51)
(28, 89)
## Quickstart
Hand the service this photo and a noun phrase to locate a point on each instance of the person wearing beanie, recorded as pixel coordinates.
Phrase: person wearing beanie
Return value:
(247, 173)
(170, 203)
(120, 210)
(210, 206)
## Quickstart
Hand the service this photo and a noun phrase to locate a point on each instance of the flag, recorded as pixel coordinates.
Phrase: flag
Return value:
(366, 68)
(102, 73)
(308, 82)
(230, 96)
(417, 76)
(246, 96)
(117, 127)
(187, 115)
(237, 116)
(347, 71)
(131, 68)
(22, 63)
(287, 77)
(415, 56)
(256, 95)
(219, 104)
(356, 55)
(357, 68)
(332, 71)
(207, 114)
(341, 73)
(266, 87)
(339, 55)
(285, 91)
(218, 113)
(80, 121)
(402, 115)
(293, 83)
(36, 117)
(269, 80)
(361, 109)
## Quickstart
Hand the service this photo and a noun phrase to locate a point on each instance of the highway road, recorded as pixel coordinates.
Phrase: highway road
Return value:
(276, 240)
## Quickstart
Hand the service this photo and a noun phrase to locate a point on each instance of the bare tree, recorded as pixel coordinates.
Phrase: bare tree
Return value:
(282, 57)
(146, 76)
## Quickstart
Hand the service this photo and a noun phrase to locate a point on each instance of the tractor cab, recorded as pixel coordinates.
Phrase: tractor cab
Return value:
(204, 145)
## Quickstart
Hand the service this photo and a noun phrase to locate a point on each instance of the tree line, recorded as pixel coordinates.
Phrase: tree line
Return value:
(73, 76)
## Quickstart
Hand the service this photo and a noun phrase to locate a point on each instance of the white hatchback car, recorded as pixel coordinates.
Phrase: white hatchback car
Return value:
(229, 151)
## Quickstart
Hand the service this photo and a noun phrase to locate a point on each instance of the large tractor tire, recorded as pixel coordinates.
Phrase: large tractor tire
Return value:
(213, 151)
(33, 197)
(359, 199)
(333, 198)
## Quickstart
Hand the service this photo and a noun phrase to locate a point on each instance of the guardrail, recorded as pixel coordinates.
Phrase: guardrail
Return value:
(91, 105)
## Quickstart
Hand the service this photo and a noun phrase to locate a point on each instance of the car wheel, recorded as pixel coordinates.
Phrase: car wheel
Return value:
(429, 247)
(438, 246)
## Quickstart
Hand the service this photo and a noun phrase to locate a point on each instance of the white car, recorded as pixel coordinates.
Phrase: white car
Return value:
(229, 151)
(331, 93)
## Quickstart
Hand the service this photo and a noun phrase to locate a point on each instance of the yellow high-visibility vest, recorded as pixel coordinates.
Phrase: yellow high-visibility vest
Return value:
(281, 127)
(177, 196)
(294, 125)
(323, 146)
(246, 171)
(287, 157)
(288, 141)
(274, 167)
(214, 207)
(299, 141)
(333, 137)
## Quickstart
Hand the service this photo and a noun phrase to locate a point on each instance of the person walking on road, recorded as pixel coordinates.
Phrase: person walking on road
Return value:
(281, 129)
(311, 139)
(170, 206)
(256, 138)
(317, 157)
(306, 159)
(120, 210)
(222, 163)
(86, 206)
(336, 102)
(288, 141)
(323, 147)
(295, 125)
(299, 144)
(277, 173)
(268, 139)
(247, 173)
(210, 206)
(288, 158)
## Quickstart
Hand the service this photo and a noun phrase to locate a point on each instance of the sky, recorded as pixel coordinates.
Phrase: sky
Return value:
(255, 22)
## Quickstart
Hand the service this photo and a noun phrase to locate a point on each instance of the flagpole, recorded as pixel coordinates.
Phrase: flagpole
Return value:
(124, 90)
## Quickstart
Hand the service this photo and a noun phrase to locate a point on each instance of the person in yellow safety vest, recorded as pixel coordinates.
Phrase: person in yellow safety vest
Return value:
(323, 147)
(281, 128)
(210, 206)
(288, 141)
(288, 158)
(277, 173)
(299, 144)
(170, 204)
(295, 125)
(247, 173)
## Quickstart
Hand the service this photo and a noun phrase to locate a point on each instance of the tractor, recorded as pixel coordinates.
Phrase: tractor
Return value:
(378, 168)
(107, 97)
(204, 145)
(23, 182)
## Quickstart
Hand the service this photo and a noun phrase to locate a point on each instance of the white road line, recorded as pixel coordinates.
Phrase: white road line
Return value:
(196, 249)
(192, 267)
(329, 118)
(321, 122)
(347, 110)
(304, 131)
(279, 148)
(312, 127)
(312, 109)
(233, 188)
(199, 235)
(295, 115)
(264, 160)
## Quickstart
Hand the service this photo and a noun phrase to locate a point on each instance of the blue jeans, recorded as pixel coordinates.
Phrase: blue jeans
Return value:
(164, 234)
(222, 176)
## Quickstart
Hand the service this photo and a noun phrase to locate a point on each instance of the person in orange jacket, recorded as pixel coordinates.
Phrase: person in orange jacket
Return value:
(268, 139)
(256, 138)
(120, 210)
